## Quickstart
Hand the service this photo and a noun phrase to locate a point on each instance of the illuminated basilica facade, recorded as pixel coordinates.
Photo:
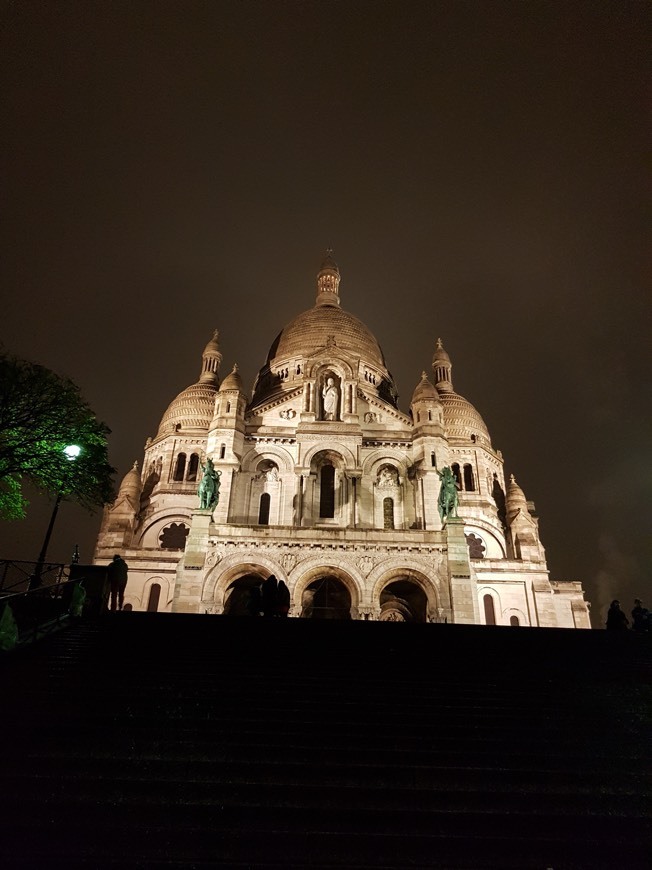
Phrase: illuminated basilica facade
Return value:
(327, 484)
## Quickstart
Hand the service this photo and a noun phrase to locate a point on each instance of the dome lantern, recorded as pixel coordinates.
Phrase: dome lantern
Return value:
(328, 281)
(443, 369)
(211, 361)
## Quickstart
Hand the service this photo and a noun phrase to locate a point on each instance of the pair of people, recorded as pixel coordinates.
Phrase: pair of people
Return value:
(617, 620)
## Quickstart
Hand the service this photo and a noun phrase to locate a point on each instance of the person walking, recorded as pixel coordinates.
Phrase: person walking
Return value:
(117, 573)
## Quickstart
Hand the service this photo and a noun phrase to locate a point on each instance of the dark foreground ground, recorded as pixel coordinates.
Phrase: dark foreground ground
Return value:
(174, 741)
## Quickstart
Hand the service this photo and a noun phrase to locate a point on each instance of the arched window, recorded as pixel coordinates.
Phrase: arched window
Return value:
(263, 510)
(429, 415)
(433, 460)
(469, 482)
(514, 620)
(222, 450)
(154, 595)
(456, 474)
(388, 513)
(180, 467)
(489, 612)
(228, 407)
(327, 492)
(193, 465)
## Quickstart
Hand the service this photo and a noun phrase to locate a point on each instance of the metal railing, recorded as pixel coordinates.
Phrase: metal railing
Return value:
(29, 613)
(17, 576)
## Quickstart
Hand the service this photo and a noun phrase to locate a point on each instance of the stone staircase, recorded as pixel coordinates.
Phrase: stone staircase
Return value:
(178, 741)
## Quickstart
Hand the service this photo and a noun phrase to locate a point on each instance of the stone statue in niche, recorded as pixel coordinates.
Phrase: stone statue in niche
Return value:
(387, 477)
(271, 474)
(331, 396)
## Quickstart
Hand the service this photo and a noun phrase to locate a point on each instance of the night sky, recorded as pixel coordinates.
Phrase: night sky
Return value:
(478, 168)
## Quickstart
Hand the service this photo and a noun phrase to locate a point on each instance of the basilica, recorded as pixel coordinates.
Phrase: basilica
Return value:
(318, 477)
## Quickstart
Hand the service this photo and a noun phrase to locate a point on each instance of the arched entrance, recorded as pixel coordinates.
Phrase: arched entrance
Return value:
(326, 598)
(403, 600)
(241, 597)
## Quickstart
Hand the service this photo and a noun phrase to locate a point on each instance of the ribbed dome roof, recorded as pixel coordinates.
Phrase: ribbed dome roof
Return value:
(460, 417)
(192, 409)
(424, 390)
(316, 327)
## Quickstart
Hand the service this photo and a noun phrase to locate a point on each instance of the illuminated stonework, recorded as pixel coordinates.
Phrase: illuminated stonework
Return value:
(327, 484)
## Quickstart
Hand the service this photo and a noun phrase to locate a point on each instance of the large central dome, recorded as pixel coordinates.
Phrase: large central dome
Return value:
(322, 325)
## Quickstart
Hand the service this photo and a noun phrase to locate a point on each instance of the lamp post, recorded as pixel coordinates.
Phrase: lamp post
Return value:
(71, 453)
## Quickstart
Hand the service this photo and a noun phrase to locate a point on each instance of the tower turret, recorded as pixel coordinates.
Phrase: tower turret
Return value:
(443, 369)
(328, 281)
(211, 361)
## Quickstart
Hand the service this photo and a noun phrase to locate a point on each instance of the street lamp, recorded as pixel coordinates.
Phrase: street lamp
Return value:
(71, 452)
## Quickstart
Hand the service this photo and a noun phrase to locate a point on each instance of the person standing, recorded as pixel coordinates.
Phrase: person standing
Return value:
(282, 599)
(616, 619)
(640, 616)
(117, 573)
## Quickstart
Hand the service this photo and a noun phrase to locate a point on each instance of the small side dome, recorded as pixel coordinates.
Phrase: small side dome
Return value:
(515, 500)
(424, 390)
(131, 485)
(232, 381)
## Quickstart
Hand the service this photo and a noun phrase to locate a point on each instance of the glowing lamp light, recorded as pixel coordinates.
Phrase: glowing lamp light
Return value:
(72, 451)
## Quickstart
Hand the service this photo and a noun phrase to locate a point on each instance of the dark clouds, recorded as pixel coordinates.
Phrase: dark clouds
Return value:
(477, 167)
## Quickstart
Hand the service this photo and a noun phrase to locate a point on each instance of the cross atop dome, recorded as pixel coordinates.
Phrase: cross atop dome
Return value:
(328, 281)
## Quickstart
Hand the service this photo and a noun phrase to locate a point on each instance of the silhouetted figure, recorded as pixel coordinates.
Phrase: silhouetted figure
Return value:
(117, 573)
(270, 587)
(640, 616)
(255, 602)
(616, 619)
(282, 599)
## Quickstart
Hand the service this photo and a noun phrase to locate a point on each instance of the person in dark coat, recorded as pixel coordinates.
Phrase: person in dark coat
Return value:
(616, 619)
(640, 616)
(282, 599)
(117, 573)
(269, 595)
(255, 602)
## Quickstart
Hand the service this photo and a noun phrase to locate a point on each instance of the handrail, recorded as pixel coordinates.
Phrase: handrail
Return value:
(32, 614)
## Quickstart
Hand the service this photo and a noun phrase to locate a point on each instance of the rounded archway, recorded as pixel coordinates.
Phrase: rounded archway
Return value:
(242, 596)
(326, 597)
(403, 600)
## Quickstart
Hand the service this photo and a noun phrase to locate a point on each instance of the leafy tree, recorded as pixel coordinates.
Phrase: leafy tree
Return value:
(41, 413)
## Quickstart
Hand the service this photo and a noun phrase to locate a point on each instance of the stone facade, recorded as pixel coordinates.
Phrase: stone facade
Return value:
(328, 485)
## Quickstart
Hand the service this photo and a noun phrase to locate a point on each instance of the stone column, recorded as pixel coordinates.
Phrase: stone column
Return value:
(463, 588)
(298, 499)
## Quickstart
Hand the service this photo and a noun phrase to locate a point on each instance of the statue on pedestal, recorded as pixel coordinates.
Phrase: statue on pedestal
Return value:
(447, 501)
(209, 488)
